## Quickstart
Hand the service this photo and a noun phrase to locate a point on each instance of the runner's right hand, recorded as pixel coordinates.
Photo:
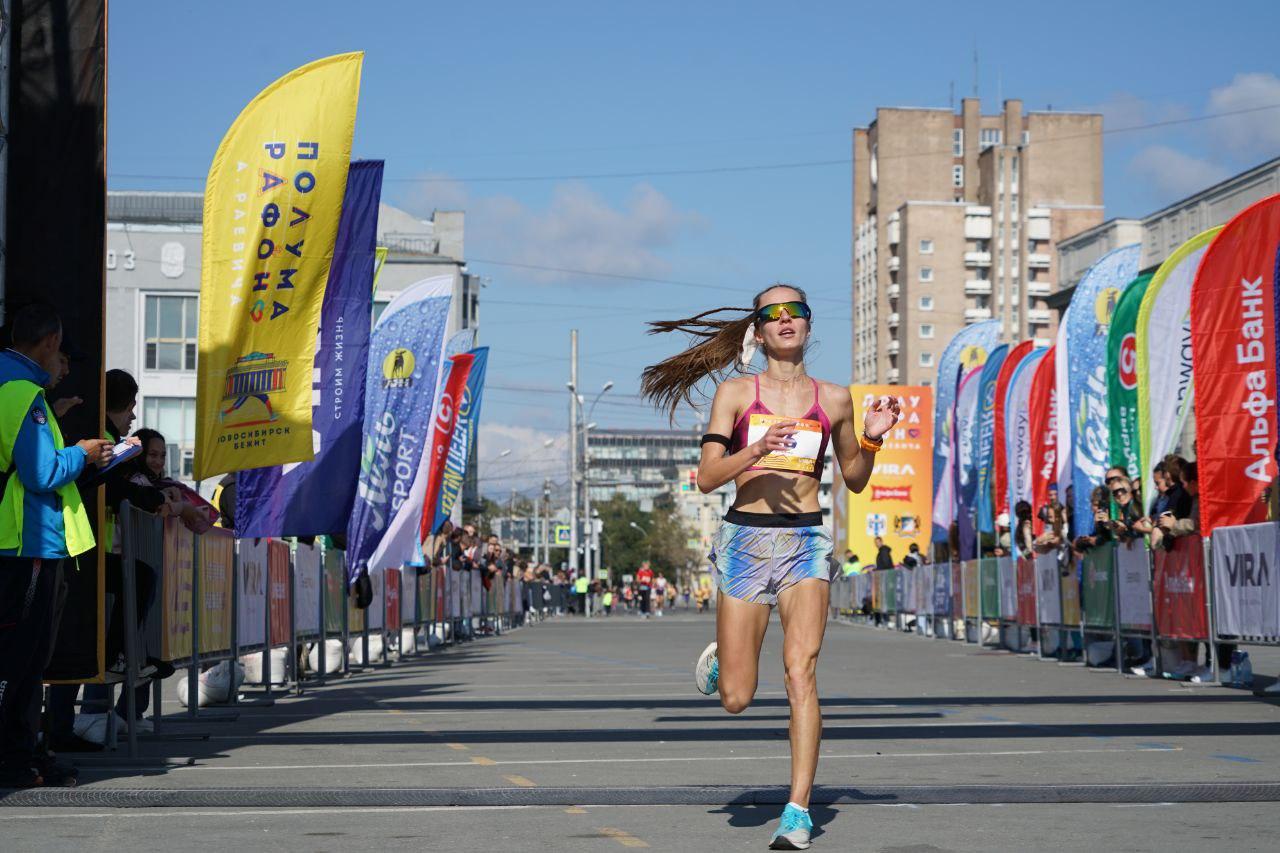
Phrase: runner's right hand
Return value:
(777, 439)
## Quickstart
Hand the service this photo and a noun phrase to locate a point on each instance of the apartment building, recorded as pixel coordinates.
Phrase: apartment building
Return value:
(955, 219)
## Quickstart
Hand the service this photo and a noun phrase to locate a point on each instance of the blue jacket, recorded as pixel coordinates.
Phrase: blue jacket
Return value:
(41, 468)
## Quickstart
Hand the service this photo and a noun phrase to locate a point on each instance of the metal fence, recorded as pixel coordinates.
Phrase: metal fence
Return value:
(1121, 600)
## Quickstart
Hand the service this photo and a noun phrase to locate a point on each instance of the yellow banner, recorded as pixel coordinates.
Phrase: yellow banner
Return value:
(271, 208)
(897, 504)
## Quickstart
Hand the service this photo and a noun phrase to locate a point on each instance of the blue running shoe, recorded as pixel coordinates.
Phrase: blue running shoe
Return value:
(793, 831)
(707, 673)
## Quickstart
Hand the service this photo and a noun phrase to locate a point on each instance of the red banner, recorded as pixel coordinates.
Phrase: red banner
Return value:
(1178, 590)
(1026, 591)
(442, 437)
(1043, 406)
(999, 464)
(278, 591)
(1234, 367)
(391, 587)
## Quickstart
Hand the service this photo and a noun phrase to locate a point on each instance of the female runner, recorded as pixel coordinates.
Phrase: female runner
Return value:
(768, 434)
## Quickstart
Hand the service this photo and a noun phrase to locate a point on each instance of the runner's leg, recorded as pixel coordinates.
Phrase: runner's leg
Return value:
(803, 610)
(740, 628)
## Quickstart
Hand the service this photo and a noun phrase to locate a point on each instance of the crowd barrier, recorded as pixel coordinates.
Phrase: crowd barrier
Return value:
(218, 598)
(1121, 597)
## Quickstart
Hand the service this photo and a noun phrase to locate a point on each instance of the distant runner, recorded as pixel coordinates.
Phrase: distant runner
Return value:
(772, 548)
(644, 584)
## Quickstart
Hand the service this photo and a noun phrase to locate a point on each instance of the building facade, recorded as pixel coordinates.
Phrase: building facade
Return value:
(955, 220)
(153, 298)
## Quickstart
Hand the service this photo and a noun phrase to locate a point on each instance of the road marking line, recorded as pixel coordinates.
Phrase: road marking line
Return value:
(59, 814)
(458, 746)
(519, 780)
(488, 762)
(575, 810)
(624, 838)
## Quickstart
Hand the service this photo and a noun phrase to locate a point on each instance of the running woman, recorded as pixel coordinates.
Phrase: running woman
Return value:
(768, 433)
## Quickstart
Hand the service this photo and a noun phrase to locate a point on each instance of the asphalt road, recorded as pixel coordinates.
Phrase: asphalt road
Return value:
(588, 735)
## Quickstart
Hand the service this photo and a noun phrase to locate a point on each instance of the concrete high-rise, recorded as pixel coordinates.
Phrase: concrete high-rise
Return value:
(955, 219)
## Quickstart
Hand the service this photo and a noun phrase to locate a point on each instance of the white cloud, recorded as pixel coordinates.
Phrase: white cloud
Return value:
(1171, 173)
(576, 229)
(527, 465)
(1249, 134)
(1125, 109)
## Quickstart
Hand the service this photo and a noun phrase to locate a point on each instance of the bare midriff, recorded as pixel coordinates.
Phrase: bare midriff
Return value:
(776, 491)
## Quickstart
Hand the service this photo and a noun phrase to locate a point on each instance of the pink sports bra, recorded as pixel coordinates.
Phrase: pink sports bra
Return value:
(738, 438)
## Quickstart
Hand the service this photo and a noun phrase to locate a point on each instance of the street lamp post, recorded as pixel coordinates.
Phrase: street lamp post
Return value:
(579, 431)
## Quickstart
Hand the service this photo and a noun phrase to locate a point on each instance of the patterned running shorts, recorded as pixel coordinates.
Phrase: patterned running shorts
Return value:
(758, 555)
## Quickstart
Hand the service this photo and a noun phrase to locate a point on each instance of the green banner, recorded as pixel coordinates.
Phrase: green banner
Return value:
(1099, 590)
(990, 588)
(891, 591)
(1122, 376)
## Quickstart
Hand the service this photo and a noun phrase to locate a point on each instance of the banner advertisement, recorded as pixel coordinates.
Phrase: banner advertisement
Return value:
(306, 499)
(1070, 586)
(967, 350)
(990, 580)
(1246, 596)
(406, 358)
(1177, 587)
(1043, 424)
(441, 581)
(957, 590)
(217, 554)
(1133, 576)
(306, 590)
(984, 436)
(355, 616)
(1007, 568)
(453, 590)
(1062, 387)
(427, 594)
(477, 594)
(376, 612)
(464, 439)
(271, 206)
(1163, 337)
(905, 590)
(452, 388)
(942, 589)
(251, 596)
(176, 624)
(1018, 432)
(408, 595)
(1099, 598)
(391, 597)
(1122, 377)
(925, 582)
(1048, 589)
(969, 572)
(334, 591)
(1000, 449)
(897, 504)
(1026, 574)
(1233, 336)
(278, 591)
(1092, 306)
(966, 473)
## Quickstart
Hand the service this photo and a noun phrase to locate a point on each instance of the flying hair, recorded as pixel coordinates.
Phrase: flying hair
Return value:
(715, 354)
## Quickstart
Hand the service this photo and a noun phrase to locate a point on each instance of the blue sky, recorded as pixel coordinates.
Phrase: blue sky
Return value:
(461, 98)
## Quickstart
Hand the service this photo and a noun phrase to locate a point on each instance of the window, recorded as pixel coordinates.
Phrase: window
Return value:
(926, 303)
(989, 136)
(171, 332)
(926, 359)
(957, 142)
(926, 247)
(926, 330)
(957, 176)
(926, 273)
(175, 419)
(1013, 170)
(1026, 137)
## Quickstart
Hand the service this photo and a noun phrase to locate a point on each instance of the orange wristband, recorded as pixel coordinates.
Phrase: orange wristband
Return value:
(870, 445)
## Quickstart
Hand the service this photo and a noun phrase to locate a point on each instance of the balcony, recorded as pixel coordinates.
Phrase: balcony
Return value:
(1038, 261)
(977, 259)
(893, 291)
(977, 227)
(895, 263)
(977, 287)
(1039, 289)
(1038, 228)
(892, 375)
(893, 228)
(893, 320)
(978, 210)
(1039, 316)
(894, 347)
(976, 315)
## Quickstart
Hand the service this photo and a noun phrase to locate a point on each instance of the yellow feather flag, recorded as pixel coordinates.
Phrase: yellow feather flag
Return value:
(271, 208)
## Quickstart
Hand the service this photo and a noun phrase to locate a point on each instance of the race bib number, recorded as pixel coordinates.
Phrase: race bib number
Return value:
(802, 458)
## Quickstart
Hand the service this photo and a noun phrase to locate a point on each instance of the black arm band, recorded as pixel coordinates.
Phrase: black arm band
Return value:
(712, 438)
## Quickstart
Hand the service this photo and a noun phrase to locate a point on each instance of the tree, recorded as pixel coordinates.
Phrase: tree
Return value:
(661, 538)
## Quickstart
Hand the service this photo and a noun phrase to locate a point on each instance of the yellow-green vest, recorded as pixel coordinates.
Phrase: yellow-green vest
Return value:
(15, 401)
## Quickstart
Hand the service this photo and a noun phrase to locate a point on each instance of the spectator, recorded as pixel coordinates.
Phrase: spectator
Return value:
(43, 523)
(1023, 538)
(884, 557)
(1004, 540)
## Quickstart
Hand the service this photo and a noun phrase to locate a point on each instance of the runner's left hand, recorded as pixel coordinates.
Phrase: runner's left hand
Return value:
(881, 417)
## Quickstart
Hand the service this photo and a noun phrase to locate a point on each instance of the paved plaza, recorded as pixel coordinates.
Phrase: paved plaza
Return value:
(588, 735)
